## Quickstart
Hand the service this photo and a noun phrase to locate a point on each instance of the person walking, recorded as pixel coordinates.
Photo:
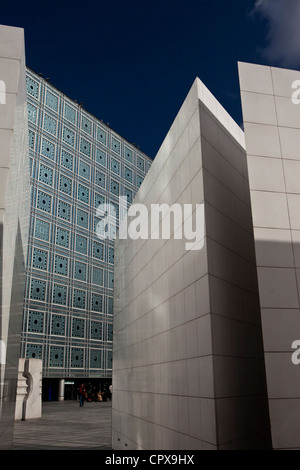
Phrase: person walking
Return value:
(81, 391)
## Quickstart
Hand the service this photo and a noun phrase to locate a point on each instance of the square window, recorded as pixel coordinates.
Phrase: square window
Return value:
(82, 218)
(98, 250)
(59, 294)
(46, 175)
(99, 200)
(97, 276)
(79, 299)
(50, 124)
(35, 321)
(129, 195)
(77, 358)
(81, 244)
(140, 163)
(48, 149)
(95, 359)
(56, 356)
(128, 155)
(114, 210)
(97, 302)
(68, 136)
(31, 113)
(115, 166)
(139, 180)
(34, 351)
(65, 185)
(83, 194)
(116, 145)
(42, 229)
(96, 330)
(100, 157)
(70, 113)
(51, 101)
(100, 179)
(44, 201)
(62, 237)
(101, 135)
(67, 160)
(39, 259)
(84, 170)
(32, 87)
(85, 147)
(37, 289)
(128, 174)
(114, 187)
(58, 325)
(78, 327)
(80, 271)
(86, 125)
(61, 265)
(64, 210)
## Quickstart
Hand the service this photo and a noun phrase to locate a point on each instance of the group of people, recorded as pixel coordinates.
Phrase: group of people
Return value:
(91, 394)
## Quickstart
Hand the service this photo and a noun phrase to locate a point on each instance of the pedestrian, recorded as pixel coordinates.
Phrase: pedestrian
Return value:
(82, 392)
(110, 391)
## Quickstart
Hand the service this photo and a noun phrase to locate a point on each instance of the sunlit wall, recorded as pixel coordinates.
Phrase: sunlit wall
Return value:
(188, 370)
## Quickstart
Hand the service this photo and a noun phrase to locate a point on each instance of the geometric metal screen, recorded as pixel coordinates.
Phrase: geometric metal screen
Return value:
(77, 163)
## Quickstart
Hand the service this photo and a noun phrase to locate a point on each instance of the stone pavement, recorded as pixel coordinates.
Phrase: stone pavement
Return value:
(66, 426)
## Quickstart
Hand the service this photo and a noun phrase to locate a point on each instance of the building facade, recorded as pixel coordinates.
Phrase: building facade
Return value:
(77, 163)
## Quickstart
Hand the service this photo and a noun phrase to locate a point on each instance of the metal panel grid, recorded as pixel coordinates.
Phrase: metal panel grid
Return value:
(77, 163)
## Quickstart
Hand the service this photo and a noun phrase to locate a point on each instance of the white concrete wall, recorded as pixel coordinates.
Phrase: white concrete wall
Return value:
(14, 216)
(187, 364)
(240, 397)
(272, 132)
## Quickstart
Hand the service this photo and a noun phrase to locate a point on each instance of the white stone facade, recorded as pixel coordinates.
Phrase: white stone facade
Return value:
(188, 369)
(271, 112)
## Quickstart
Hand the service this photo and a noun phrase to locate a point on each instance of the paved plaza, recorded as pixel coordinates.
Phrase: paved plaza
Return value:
(66, 426)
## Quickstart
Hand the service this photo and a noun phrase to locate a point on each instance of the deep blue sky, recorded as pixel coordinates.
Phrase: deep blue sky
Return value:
(132, 62)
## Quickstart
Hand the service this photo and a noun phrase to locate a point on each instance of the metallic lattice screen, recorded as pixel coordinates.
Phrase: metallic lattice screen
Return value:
(77, 163)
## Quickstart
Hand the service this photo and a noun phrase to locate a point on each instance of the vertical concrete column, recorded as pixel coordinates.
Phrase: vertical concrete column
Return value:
(61, 390)
(14, 217)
